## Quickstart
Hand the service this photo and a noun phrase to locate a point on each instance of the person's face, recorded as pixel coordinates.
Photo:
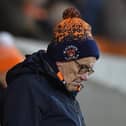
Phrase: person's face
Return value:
(76, 72)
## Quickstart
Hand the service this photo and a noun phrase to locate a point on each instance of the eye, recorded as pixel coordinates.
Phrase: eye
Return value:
(83, 68)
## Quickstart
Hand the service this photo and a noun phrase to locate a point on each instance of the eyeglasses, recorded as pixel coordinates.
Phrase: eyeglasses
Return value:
(83, 68)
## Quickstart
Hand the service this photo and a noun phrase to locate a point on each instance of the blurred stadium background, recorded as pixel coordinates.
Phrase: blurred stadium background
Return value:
(103, 101)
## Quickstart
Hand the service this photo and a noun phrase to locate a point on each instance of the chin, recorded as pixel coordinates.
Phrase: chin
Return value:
(74, 86)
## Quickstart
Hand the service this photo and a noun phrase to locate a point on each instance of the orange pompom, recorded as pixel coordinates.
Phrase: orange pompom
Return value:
(71, 13)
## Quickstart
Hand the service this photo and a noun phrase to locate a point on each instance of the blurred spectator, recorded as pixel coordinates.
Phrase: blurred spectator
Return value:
(9, 57)
(21, 17)
(36, 11)
(31, 18)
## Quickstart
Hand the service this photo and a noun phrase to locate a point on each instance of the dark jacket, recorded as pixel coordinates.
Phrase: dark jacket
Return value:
(36, 97)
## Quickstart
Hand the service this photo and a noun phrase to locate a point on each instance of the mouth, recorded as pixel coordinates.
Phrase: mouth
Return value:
(77, 85)
(77, 80)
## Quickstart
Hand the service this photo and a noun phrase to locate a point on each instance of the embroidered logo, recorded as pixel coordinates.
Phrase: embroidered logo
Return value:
(71, 52)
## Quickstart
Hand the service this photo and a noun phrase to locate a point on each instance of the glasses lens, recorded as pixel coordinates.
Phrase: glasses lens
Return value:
(84, 68)
(91, 71)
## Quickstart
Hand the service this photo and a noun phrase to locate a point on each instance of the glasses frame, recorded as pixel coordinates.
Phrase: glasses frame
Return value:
(85, 68)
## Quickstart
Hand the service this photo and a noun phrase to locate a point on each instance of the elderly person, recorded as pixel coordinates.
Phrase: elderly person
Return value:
(42, 90)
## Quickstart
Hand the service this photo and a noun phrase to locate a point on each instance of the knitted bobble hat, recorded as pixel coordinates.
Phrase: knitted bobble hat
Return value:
(72, 38)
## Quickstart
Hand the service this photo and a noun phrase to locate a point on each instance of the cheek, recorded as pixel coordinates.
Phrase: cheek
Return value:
(69, 78)
(69, 75)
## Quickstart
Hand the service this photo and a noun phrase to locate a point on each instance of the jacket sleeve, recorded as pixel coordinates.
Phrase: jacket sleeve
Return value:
(20, 104)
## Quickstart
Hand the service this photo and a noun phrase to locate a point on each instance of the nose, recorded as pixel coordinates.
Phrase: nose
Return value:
(84, 76)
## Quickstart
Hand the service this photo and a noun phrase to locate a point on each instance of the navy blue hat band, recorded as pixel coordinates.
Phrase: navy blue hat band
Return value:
(71, 50)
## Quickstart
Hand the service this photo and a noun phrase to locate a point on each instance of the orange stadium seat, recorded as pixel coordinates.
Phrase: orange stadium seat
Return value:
(9, 56)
